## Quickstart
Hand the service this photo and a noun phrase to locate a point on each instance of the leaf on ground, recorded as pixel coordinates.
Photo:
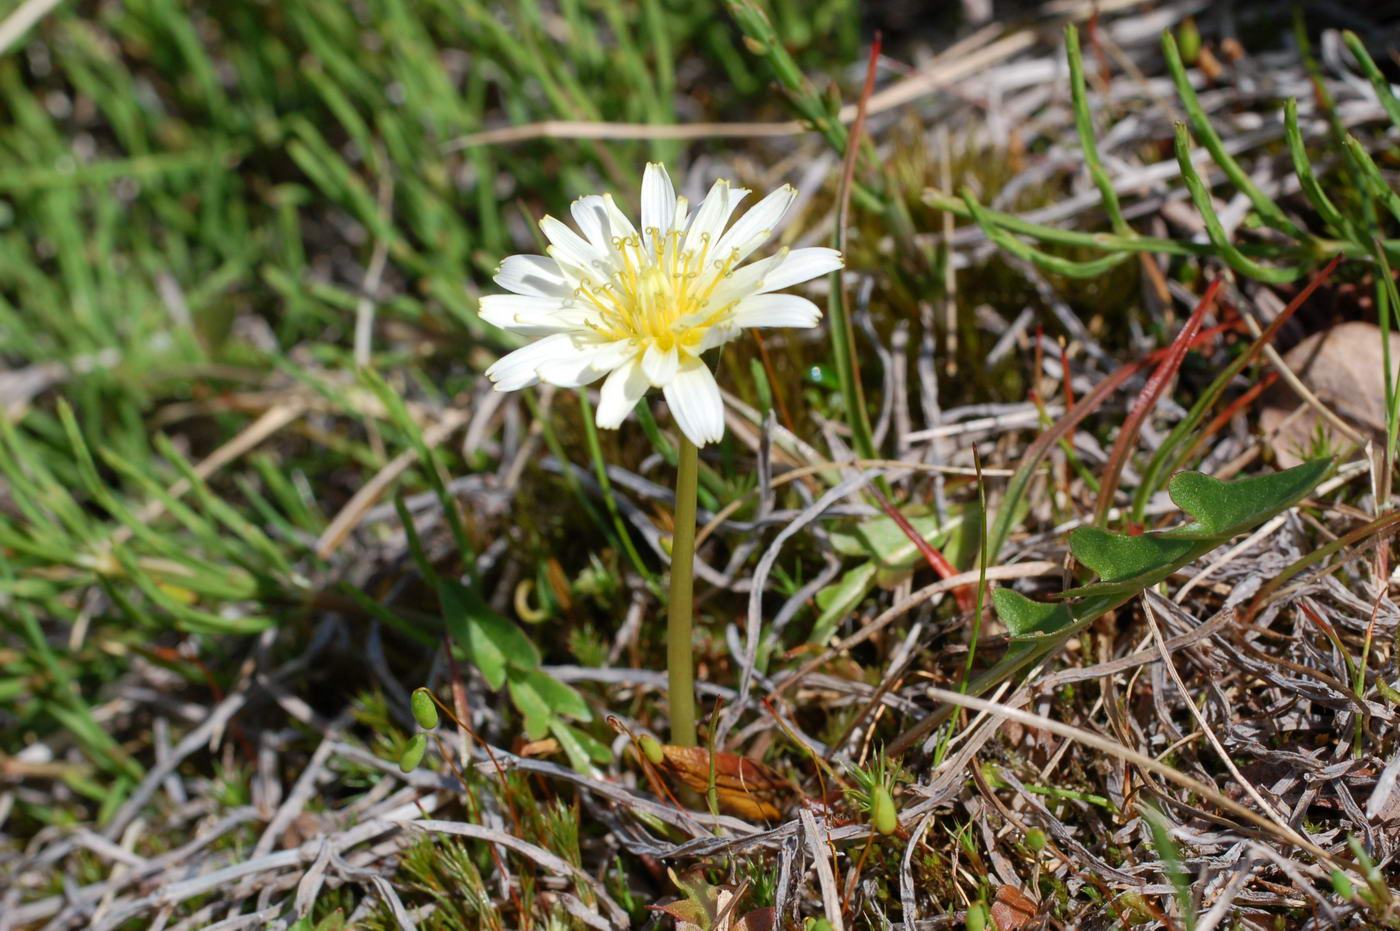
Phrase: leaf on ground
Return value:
(745, 787)
(883, 539)
(1012, 909)
(1344, 366)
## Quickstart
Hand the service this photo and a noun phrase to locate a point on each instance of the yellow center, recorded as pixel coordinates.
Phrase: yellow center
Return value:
(660, 295)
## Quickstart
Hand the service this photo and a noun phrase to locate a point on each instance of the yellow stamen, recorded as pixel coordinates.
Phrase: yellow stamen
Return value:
(654, 293)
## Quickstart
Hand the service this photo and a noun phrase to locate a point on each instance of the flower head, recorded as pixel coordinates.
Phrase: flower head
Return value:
(641, 307)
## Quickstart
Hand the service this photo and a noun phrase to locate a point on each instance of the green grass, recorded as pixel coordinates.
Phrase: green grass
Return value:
(188, 207)
(195, 209)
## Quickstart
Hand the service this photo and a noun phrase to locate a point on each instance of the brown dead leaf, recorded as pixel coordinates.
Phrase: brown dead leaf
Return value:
(1343, 366)
(1012, 909)
(745, 787)
(546, 747)
(1210, 65)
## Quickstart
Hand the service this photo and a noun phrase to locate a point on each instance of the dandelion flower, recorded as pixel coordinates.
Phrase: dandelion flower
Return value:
(642, 307)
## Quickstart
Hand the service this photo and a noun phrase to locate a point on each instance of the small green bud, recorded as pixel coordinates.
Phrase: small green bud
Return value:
(882, 812)
(817, 924)
(1342, 885)
(976, 917)
(652, 749)
(413, 753)
(1035, 839)
(424, 709)
(1188, 37)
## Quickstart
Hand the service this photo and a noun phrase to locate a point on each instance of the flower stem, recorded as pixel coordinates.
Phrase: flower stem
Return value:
(680, 664)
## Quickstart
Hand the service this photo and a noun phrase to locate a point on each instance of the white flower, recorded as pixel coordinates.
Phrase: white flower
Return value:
(641, 307)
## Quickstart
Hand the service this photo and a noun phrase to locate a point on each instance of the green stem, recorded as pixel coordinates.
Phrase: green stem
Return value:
(680, 664)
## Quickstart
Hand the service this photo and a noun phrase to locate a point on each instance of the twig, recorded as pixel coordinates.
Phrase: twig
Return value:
(1169, 773)
(1186, 697)
(22, 19)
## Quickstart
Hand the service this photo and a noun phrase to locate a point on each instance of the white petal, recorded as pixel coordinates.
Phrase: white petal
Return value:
(682, 213)
(619, 227)
(713, 213)
(591, 215)
(532, 274)
(695, 402)
(520, 368)
(756, 226)
(658, 201)
(506, 310)
(778, 271)
(765, 310)
(801, 265)
(660, 365)
(568, 246)
(534, 316)
(588, 362)
(620, 393)
(744, 281)
(717, 335)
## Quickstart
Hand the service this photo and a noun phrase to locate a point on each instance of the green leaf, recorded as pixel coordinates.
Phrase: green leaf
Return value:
(1127, 563)
(1223, 509)
(840, 597)
(883, 539)
(580, 748)
(1053, 263)
(1170, 856)
(532, 706)
(1387, 692)
(1084, 125)
(1201, 197)
(491, 641)
(1030, 620)
(1302, 167)
(561, 697)
(1378, 80)
(1200, 123)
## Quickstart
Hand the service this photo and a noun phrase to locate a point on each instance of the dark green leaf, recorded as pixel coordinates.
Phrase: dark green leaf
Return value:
(1223, 509)
(1127, 563)
(840, 598)
(883, 539)
(491, 641)
(560, 697)
(532, 706)
(581, 748)
(1027, 619)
